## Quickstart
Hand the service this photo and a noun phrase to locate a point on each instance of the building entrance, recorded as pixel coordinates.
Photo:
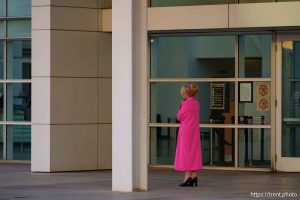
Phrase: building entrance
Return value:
(288, 109)
(234, 75)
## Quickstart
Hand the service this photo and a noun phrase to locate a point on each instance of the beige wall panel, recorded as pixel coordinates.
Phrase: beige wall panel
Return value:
(74, 54)
(73, 147)
(105, 100)
(66, 18)
(104, 55)
(188, 17)
(40, 18)
(40, 2)
(40, 145)
(40, 100)
(75, 3)
(71, 3)
(104, 146)
(282, 166)
(104, 3)
(264, 14)
(41, 63)
(73, 100)
(106, 20)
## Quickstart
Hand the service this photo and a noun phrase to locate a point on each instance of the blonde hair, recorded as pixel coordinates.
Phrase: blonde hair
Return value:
(191, 90)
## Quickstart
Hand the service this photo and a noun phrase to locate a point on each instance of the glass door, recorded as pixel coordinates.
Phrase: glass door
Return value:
(288, 109)
(234, 75)
(208, 62)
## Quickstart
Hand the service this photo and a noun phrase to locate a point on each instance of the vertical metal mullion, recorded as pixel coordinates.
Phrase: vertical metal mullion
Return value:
(4, 113)
(274, 101)
(4, 86)
(4, 120)
(149, 145)
(236, 148)
(5, 55)
(149, 98)
(4, 142)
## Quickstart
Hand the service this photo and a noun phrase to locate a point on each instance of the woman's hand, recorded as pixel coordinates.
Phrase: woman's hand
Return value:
(180, 105)
(182, 101)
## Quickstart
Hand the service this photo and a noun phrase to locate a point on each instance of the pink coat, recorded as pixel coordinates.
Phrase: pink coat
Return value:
(188, 150)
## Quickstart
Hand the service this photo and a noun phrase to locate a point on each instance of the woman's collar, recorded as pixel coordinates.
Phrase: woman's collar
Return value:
(189, 98)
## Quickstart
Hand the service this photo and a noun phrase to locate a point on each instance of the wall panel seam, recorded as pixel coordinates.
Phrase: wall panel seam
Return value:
(65, 77)
(72, 30)
(97, 153)
(58, 6)
(65, 124)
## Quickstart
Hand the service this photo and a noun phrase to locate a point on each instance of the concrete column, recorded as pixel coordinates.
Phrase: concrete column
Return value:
(129, 92)
(70, 87)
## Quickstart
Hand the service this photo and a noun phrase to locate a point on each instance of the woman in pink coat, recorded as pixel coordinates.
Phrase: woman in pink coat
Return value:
(188, 151)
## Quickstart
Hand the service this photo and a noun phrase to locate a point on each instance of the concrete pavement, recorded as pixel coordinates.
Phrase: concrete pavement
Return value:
(17, 182)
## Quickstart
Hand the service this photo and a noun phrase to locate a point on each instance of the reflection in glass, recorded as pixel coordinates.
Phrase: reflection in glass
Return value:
(218, 146)
(258, 111)
(19, 28)
(18, 142)
(19, 102)
(291, 139)
(216, 102)
(255, 148)
(19, 8)
(2, 8)
(2, 29)
(1, 59)
(255, 56)
(193, 57)
(1, 143)
(19, 60)
(163, 145)
(164, 3)
(1, 101)
(291, 99)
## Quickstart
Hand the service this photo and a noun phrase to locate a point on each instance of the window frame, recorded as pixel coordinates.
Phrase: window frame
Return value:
(6, 81)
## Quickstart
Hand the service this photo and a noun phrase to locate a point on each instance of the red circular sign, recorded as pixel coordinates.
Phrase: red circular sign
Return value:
(263, 90)
(263, 104)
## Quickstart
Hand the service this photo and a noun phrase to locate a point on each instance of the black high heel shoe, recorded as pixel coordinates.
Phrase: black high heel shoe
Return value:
(187, 182)
(193, 182)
